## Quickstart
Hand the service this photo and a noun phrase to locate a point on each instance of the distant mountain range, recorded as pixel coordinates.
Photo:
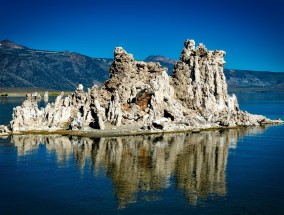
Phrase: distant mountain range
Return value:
(22, 67)
(29, 68)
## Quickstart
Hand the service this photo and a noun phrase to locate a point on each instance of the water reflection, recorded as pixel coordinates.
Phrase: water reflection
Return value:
(142, 166)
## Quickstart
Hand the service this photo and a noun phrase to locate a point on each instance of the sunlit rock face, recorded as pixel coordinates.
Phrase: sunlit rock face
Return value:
(142, 166)
(142, 95)
(200, 81)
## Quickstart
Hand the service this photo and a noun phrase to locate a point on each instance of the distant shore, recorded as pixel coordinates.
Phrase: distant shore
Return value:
(22, 93)
(254, 90)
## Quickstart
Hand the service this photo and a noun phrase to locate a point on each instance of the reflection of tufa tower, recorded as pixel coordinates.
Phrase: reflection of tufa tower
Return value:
(200, 168)
(195, 163)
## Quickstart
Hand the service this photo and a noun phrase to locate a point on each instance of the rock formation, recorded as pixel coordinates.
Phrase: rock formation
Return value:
(45, 96)
(33, 96)
(142, 95)
(4, 130)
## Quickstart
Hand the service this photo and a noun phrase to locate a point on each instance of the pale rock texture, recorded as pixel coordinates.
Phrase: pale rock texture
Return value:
(4, 130)
(143, 96)
(45, 96)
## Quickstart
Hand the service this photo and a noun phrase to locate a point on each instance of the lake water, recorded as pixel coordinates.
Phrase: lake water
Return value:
(236, 171)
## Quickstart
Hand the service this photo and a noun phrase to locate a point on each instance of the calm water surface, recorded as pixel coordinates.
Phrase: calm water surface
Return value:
(237, 171)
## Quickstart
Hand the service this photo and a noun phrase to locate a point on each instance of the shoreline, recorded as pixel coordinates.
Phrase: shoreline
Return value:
(7, 94)
(119, 132)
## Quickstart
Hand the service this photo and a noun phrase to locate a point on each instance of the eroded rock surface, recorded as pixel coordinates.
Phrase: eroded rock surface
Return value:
(4, 130)
(142, 95)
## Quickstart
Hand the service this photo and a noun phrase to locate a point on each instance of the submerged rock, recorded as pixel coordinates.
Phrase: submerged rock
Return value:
(143, 95)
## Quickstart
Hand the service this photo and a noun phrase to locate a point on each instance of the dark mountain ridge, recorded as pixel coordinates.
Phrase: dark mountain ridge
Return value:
(22, 67)
(28, 68)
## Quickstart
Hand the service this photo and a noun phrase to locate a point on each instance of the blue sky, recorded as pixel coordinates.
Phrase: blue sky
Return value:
(250, 31)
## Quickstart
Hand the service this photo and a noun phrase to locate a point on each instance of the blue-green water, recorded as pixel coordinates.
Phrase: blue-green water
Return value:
(236, 171)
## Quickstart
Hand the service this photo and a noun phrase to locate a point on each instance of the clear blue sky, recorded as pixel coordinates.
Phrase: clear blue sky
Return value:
(250, 31)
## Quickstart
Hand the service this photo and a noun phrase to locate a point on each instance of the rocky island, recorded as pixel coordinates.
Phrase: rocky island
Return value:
(141, 97)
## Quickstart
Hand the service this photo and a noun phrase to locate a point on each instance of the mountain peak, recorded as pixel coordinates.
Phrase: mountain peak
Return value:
(160, 58)
(9, 44)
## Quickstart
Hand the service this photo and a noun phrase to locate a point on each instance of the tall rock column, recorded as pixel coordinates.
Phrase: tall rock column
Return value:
(199, 80)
